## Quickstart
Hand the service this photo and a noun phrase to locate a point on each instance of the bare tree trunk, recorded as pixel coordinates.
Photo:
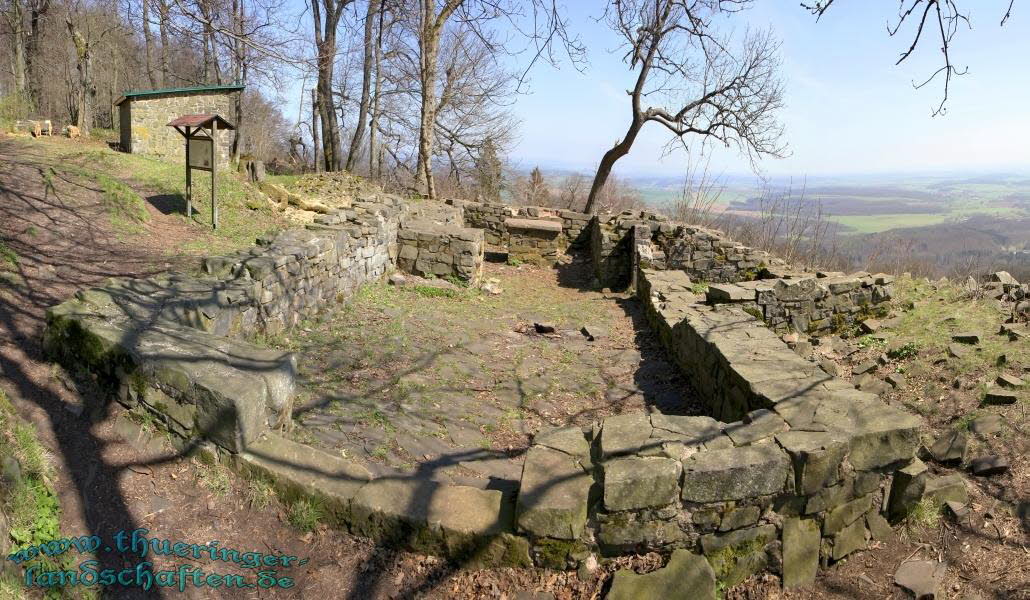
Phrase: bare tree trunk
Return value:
(38, 10)
(608, 161)
(162, 8)
(86, 94)
(315, 142)
(430, 49)
(148, 45)
(366, 77)
(374, 161)
(240, 75)
(19, 68)
(325, 45)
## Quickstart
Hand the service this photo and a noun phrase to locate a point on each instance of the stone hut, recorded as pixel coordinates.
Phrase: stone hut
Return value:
(144, 116)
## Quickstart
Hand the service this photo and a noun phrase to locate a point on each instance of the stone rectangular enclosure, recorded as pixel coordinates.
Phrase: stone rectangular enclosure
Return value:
(792, 469)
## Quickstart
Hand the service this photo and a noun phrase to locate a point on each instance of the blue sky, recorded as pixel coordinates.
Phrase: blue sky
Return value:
(849, 110)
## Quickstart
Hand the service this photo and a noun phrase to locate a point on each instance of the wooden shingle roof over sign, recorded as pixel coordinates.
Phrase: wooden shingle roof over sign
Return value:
(200, 121)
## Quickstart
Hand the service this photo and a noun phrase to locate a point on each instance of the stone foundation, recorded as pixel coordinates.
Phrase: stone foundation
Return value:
(427, 249)
(534, 241)
(801, 469)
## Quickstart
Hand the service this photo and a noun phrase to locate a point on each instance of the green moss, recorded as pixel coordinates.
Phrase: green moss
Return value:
(754, 312)
(554, 554)
(734, 563)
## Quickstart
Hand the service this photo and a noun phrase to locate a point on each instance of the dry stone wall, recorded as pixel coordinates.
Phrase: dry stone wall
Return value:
(806, 473)
(490, 217)
(428, 249)
(705, 255)
(814, 304)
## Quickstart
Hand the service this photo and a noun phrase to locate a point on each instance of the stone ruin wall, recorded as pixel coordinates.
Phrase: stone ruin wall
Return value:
(149, 117)
(490, 217)
(803, 469)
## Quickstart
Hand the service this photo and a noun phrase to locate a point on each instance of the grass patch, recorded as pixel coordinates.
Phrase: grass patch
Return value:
(305, 514)
(699, 288)
(925, 515)
(429, 291)
(7, 255)
(239, 222)
(125, 207)
(29, 501)
(214, 478)
(260, 493)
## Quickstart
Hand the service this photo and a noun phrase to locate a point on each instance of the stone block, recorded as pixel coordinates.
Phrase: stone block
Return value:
(846, 514)
(553, 495)
(687, 576)
(851, 538)
(640, 482)
(907, 489)
(735, 473)
(816, 457)
(624, 434)
(800, 551)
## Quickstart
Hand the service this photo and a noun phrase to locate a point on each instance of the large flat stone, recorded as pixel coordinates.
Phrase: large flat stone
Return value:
(687, 576)
(882, 436)
(553, 495)
(757, 425)
(429, 516)
(640, 482)
(735, 473)
(569, 440)
(304, 470)
(625, 434)
(729, 292)
(534, 225)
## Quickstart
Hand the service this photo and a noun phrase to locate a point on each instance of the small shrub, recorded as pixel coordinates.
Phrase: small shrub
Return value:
(514, 261)
(699, 288)
(215, 478)
(455, 280)
(868, 341)
(902, 352)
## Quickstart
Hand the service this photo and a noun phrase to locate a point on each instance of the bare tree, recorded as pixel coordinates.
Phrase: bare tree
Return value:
(368, 62)
(548, 27)
(86, 33)
(692, 83)
(942, 18)
(325, 49)
(572, 191)
(700, 192)
(15, 17)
